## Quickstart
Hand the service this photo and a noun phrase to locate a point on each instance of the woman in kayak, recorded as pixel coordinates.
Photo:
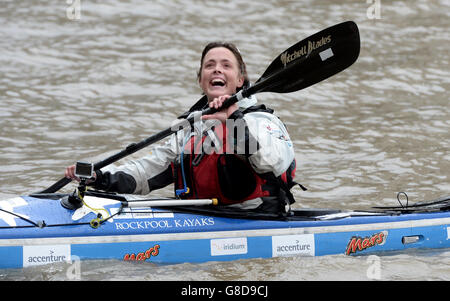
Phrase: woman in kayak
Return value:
(241, 155)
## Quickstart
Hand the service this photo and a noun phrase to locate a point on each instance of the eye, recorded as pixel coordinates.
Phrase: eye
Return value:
(208, 65)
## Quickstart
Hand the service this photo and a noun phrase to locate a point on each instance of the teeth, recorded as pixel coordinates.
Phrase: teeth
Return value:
(218, 82)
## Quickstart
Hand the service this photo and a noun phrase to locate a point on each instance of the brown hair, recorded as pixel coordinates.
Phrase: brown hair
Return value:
(234, 50)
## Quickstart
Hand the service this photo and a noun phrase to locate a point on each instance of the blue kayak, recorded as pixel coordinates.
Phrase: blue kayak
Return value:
(37, 230)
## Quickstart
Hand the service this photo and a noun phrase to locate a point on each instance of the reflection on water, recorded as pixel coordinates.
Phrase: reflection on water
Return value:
(86, 88)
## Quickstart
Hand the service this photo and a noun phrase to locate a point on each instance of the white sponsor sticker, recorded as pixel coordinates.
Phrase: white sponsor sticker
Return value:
(140, 213)
(228, 246)
(288, 245)
(46, 254)
(326, 54)
(163, 214)
(125, 214)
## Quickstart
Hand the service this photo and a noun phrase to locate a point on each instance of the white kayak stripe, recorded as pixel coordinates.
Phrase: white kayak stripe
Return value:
(223, 234)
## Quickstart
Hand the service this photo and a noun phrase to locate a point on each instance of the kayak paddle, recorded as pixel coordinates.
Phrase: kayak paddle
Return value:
(306, 63)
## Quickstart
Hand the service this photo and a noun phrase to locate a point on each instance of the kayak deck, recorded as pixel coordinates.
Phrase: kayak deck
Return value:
(37, 230)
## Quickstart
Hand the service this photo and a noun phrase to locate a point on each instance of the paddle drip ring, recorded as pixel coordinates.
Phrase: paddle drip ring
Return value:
(398, 199)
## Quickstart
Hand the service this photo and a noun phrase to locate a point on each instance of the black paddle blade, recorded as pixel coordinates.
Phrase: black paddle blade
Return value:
(312, 60)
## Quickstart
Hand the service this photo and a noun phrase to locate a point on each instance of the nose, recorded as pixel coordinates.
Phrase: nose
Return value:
(218, 69)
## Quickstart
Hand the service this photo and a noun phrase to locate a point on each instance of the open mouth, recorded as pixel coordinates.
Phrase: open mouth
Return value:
(217, 82)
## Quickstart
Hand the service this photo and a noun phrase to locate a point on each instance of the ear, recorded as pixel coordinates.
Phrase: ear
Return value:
(199, 81)
(241, 80)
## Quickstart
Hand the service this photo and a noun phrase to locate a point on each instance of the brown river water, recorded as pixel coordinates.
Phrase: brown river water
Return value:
(80, 80)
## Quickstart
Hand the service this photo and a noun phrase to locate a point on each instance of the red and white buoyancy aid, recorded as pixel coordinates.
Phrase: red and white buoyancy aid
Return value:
(224, 175)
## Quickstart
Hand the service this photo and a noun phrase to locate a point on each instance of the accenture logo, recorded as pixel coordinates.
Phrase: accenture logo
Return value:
(45, 254)
(44, 259)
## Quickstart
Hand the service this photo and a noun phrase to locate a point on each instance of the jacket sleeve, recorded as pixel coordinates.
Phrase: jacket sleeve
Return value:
(267, 143)
(143, 175)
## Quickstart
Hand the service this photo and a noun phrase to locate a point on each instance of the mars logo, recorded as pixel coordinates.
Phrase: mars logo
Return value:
(357, 244)
(153, 251)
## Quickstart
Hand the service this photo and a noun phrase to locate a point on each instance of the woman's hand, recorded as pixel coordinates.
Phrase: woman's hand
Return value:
(222, 114)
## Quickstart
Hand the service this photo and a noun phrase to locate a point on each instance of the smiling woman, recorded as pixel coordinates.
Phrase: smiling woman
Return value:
(239, 153)
(221, 167)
